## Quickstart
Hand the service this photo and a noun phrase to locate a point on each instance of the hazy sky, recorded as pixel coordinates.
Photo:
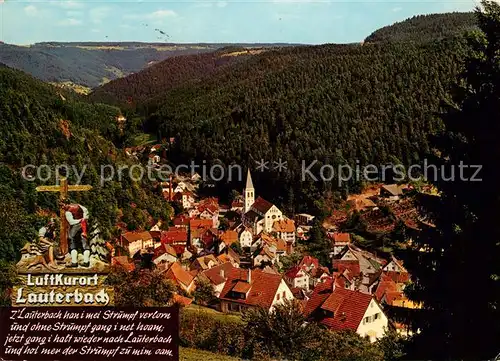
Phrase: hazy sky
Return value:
(291, 21)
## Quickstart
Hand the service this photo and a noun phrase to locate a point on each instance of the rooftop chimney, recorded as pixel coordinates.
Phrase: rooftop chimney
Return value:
(222, 274)
(249, 279)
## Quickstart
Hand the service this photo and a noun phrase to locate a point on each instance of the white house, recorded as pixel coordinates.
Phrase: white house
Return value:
(297, 277)
(266, 255)
(338, 309)
(339, 242)
(285, 229)
(246, 238)
(165, 253)
(186, 199)
(136, 241)
(395, 266)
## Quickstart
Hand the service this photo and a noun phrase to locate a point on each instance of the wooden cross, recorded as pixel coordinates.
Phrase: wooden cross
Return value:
(63, 188)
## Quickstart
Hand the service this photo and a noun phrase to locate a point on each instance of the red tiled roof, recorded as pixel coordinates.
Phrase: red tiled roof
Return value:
(307, 261)
(179, 249)
(241, 287)
(181, 220)
(263, 287)
(262, 205)
(348, 306)
(212, 208)
(229, 237)
(398, 277)
(178, 235)
(208, 237)
(178, 274)
(162, 249)
(320, 294)
(318, 272)
(136, 236)
(218, 274)
(293, 272)
(200, 223)
(385, 285)
(285, 225)
(341, 238)
(352, 266)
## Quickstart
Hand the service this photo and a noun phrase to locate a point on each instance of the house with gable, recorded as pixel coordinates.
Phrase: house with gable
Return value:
(285, 230)
(186, 199)
(246, 238)
(229, 255)
(342, 309)
(308, 263)
(204, 263)
(209, 209)
(264, 255)
(394, 265)
(180, 277)
(318, 275)
(165, 253)
(201, 234)
(339, 242)
(217, 276)
(253, 288)
(136, 241)
(297, 277)
(392, 191)
(227, 239)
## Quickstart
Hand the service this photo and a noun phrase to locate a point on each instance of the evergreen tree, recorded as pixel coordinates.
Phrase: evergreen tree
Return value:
(455, 264)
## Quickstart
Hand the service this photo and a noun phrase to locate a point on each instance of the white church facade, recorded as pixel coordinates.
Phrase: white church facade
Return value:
(258, 214)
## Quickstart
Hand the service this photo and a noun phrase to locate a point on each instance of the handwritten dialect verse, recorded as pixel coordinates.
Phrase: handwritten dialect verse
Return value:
(88, 333)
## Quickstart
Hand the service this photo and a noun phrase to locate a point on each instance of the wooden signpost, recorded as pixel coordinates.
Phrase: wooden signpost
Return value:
(63, 188)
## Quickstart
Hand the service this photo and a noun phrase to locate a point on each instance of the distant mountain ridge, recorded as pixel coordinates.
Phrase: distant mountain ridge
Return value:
(91, 64)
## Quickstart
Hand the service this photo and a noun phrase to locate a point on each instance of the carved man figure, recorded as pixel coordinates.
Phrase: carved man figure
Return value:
(77, 217)
(44, 245)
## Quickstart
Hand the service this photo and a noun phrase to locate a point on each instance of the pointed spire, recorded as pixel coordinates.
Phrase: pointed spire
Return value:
(249, 184)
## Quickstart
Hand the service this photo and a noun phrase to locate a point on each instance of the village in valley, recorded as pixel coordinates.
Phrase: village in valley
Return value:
(250, 254)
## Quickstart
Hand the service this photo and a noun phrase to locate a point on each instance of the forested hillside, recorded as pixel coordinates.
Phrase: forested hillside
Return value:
(148, 88)
(40, 125)
(423, 28)
(337, 104)
(334, 104)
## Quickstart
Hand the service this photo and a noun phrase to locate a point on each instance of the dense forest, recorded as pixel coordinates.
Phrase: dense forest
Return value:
(337, 104)
(42, 126)
(145, 90)
(423, 28)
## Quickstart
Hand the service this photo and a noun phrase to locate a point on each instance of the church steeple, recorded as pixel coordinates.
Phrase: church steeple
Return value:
(249, 193)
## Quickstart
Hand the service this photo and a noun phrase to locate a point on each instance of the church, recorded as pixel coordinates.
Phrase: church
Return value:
(258, 214)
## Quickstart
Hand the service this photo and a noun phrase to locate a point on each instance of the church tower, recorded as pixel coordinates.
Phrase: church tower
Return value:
(249, 193)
